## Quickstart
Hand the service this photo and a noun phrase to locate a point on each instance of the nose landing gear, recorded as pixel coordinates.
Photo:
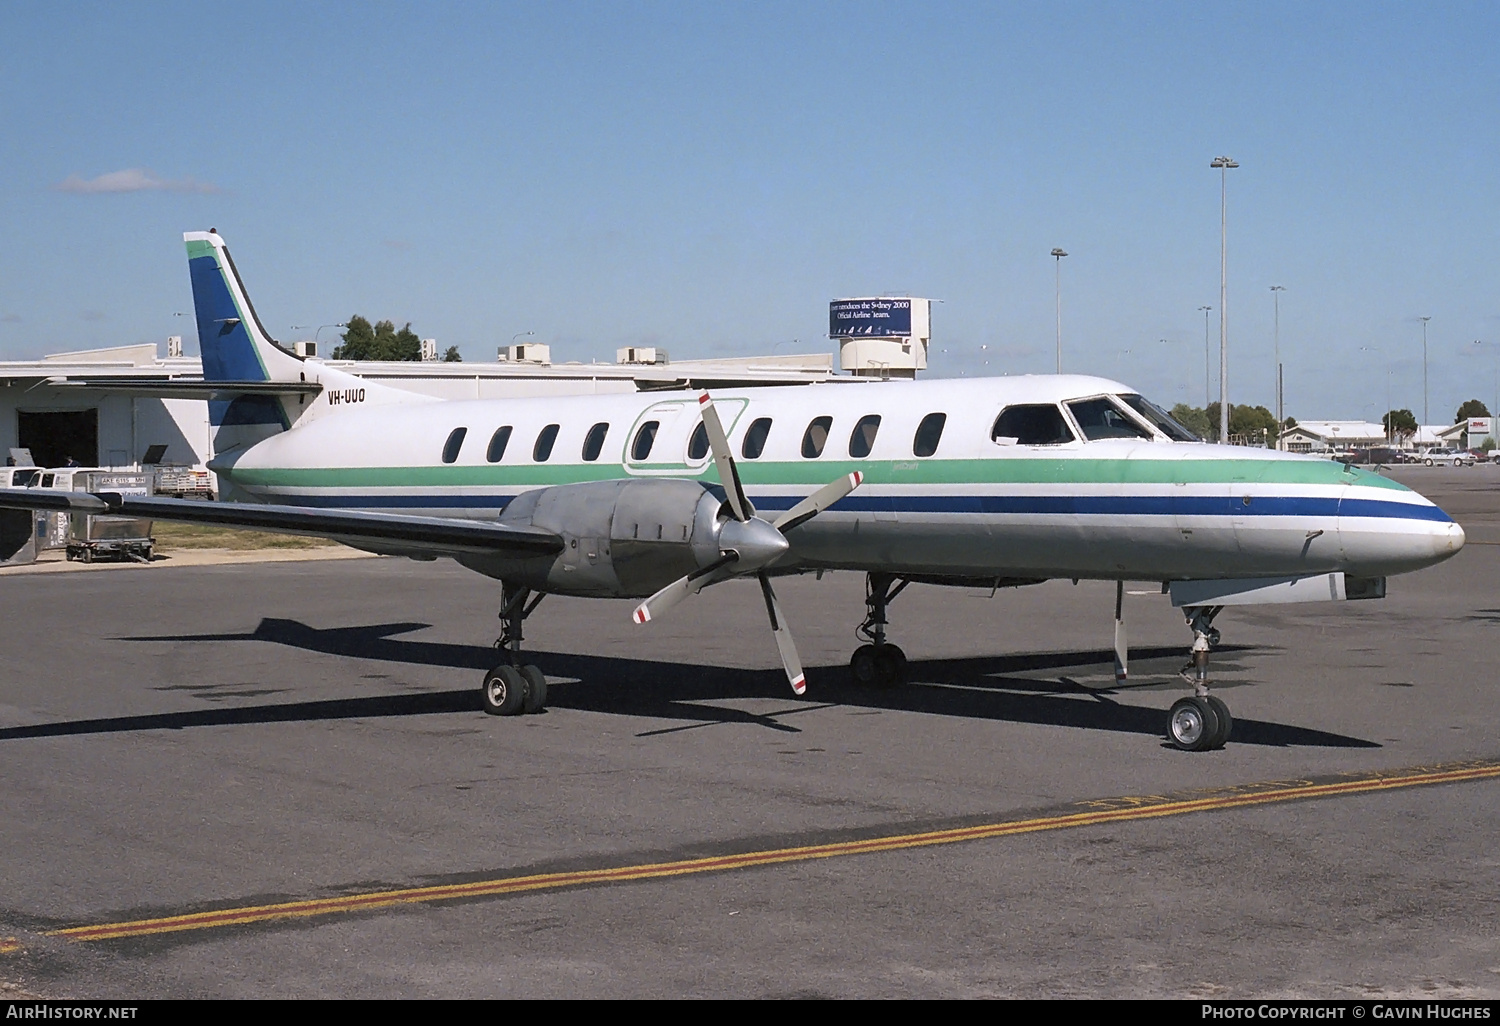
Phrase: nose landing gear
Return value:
(878, 664)
(511, 688)
(1200, 723)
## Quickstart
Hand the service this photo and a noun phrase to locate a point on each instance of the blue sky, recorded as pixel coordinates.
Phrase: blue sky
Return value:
(707, 176)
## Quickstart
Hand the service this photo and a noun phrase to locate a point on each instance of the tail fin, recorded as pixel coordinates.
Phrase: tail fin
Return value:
(234, 344)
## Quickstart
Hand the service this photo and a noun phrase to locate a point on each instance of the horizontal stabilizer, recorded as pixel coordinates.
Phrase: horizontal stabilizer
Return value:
(1265, 591)
(381, 531)
(175, 388)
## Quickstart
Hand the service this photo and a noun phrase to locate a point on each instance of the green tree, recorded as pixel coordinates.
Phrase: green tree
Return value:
(1253, 423)
(450, 355)
(1399, 424)
(1472, 408)
(1192, 418)
(380, 341)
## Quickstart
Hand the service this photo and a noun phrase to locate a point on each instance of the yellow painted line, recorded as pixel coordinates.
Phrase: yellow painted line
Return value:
(1103, 811)
(9, 945)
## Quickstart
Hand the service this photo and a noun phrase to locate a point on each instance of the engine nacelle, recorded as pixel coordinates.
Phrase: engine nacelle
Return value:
(622, 539)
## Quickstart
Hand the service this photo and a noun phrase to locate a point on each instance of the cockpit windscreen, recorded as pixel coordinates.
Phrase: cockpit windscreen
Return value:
(1100, 419)
(1159, 418)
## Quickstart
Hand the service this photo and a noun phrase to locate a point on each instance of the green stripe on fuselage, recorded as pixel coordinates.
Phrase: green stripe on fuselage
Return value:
(817, 472)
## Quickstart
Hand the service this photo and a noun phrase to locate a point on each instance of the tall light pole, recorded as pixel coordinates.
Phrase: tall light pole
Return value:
(1276, 291)
(1208, 390)
(1223, 164)
(1057, 255)
(1424, 321)
(1385, 420)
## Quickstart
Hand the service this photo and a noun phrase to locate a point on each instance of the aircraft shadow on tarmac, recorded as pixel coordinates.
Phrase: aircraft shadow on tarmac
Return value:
(1014, 688)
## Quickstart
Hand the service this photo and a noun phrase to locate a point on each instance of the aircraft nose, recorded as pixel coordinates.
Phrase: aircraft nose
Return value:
(1381, 538)
(1455, 539)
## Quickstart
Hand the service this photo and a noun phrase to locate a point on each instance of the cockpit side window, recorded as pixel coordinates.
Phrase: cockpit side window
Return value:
(1031, 425)
(1101, 419)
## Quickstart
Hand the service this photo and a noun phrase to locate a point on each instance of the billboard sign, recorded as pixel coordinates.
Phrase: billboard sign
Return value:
(1479, 426)
(849, 318)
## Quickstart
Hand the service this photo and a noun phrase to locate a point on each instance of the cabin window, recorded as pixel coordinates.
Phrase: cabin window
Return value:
(698, 444)
(755, 439)
(815, 437)
(542, 450)
(454, 443)
(1102, 419)
(593, 443)
(1031, 425)
(640, 449)
(498, 441)
(862, 438)
(929, 433)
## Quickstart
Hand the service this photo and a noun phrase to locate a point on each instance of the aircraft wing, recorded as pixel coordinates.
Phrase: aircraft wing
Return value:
(382, 532)
(183, 388)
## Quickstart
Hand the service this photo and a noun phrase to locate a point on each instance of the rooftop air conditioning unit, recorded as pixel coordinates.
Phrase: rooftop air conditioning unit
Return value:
(527, 352)
(641, 354)
(305, 348)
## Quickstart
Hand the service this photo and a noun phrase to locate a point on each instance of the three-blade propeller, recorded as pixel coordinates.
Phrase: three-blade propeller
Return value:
(748, 544)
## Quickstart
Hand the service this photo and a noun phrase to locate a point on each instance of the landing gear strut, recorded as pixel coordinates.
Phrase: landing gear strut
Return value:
(511, 688)
(878, 664)
(1202, 722)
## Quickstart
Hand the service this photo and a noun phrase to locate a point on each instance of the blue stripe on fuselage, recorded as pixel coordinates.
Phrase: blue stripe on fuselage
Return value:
(1085, 505)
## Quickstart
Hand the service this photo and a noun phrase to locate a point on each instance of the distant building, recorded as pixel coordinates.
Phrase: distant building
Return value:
(1330, 435)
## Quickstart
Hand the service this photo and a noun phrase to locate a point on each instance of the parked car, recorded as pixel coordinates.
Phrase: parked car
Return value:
(1448, 457)
(1379, 455)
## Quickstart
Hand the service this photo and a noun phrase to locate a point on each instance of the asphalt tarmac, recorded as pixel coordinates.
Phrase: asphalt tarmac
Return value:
(278, 778)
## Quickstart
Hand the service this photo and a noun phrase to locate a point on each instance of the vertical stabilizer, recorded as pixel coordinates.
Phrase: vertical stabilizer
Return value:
(234, 344)
(237, 351)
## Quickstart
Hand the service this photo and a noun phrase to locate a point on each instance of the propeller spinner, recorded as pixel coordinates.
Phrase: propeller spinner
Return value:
(748, 544)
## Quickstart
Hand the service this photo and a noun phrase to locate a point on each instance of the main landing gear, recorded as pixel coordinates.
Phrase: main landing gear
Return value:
(511, 688)
(1202, 722)
(878, 664)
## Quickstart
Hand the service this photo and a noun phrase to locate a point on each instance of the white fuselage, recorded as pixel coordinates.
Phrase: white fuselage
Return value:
(976, 507)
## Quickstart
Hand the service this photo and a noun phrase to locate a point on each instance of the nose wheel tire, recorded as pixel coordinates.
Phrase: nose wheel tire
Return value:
(504, 691)
(1194, 724)
(878, 666)
(536, 689)
(1226, 721)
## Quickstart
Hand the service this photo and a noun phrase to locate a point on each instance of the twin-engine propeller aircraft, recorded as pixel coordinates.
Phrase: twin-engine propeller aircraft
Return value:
(997, 482)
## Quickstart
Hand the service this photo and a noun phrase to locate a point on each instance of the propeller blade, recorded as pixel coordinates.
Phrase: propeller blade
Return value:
(784, 640)
(1122, 647)
(818, 501)
(680, 589)
(729, 475)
